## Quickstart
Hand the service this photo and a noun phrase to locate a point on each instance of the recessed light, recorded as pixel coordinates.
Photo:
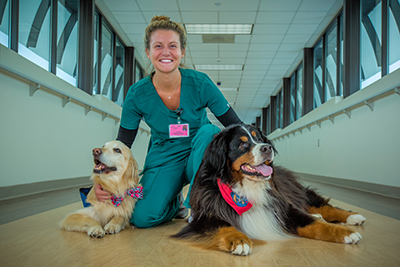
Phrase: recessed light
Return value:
(218, 67)
(218, 28)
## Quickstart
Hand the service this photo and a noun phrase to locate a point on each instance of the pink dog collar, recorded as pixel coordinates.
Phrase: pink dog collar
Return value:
(238, 203)
(135, 192)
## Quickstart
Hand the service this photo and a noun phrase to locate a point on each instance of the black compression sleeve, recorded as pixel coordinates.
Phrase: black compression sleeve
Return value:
(126, 136)
(229, 118)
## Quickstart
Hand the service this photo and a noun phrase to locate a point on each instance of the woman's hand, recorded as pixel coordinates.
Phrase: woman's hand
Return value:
(101, 194)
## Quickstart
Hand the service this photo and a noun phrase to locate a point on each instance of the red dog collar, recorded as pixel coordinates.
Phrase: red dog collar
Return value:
(238, 203)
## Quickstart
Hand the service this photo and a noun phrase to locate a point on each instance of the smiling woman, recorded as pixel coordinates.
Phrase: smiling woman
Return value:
(173, 101)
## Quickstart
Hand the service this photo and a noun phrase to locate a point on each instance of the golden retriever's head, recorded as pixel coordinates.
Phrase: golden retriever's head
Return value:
(114, 158)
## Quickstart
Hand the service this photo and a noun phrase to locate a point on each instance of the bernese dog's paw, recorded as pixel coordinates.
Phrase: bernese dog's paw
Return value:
(231, 240)
(355, 219)
(96, 232)
(242, 249)
(352, 238)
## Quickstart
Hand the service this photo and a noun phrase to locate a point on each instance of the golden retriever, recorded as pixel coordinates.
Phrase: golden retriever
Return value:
(116, 171)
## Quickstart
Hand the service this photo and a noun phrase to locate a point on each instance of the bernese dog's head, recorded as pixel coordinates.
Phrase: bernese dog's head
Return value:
(239, 152)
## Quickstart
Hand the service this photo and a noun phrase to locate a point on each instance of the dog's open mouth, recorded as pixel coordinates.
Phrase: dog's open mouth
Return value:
(100, 167)
(263, 171)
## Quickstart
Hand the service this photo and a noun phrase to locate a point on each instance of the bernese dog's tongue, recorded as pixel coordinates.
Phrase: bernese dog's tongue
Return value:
(264, 169)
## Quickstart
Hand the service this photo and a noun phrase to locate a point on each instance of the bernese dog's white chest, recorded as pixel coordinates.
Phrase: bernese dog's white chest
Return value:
(259, 222)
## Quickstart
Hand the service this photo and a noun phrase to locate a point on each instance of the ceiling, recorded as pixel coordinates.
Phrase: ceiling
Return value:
(282, 28)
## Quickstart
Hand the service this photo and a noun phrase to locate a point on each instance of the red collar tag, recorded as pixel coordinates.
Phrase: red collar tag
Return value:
(238, 203)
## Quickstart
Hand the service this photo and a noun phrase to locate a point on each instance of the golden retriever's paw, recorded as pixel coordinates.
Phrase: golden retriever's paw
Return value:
(355, 219)
(112, 228)
(96, 232)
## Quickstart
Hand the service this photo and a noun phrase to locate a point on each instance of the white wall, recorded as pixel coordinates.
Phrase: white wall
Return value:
(365, 147)
(42, 141)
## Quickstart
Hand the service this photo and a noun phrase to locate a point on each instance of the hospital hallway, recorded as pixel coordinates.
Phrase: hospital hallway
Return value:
(319, 79)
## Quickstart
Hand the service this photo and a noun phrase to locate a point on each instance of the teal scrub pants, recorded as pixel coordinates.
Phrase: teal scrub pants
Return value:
(162, 185)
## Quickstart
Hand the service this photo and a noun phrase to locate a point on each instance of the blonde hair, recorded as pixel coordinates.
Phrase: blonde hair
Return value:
(164, 23)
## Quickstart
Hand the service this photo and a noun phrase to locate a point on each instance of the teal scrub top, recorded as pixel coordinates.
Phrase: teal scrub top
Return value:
(198, 92)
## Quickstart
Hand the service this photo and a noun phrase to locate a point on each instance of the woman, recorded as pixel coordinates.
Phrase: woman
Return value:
(172, 101)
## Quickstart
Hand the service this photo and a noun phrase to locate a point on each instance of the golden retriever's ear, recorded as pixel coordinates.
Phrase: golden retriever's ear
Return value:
(132, 170)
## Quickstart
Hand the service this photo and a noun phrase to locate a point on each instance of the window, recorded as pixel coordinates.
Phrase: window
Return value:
(299, 98)
(292, 98)
(34, 31)
(4, 22)
(106, 62)
(370, 39)
(394, 34)
(318, 70)
(67, 40)
(330, 63)
(119, 73)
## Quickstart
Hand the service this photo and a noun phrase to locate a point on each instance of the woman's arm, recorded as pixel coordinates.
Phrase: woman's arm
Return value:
(127, 136)
(229, 118)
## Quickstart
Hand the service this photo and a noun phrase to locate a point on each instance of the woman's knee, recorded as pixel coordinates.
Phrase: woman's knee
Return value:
(148, 217)
(142, 220)
(206, 133)
(209, 129)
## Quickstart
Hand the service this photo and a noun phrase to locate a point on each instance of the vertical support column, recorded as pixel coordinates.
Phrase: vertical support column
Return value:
(273, 113)
(114, 63)
(86, 45)
(258, 121)
(129, 68)
(14, 33)
(351, 47)
(308, 72)
(264, 120)
(53, 36)
(385, 38)
(286, 102)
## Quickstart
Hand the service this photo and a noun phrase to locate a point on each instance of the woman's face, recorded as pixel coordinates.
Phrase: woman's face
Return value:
(165, 50)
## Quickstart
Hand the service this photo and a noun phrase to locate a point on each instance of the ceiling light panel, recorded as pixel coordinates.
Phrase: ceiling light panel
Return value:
(228, 89)
(219, 28)
(218, 67)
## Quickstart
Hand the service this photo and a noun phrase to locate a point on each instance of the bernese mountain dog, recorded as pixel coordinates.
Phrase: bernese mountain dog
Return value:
(238, 197)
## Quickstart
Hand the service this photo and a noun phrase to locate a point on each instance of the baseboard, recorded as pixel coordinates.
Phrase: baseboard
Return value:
(384, 190)
(9, 192)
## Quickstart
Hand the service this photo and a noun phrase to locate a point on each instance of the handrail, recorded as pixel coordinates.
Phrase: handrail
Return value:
(35, 85)
(368, 101)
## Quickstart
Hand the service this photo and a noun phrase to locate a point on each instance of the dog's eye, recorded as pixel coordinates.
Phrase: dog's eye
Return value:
(117, 150)
(243, 145)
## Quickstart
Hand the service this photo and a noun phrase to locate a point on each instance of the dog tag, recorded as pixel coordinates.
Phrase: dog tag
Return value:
(178, 130)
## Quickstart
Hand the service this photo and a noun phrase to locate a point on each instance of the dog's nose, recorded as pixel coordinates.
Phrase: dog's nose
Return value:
(96, 152)
(265, 148)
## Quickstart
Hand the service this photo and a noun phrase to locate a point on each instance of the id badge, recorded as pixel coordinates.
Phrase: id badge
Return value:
(178, 130)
